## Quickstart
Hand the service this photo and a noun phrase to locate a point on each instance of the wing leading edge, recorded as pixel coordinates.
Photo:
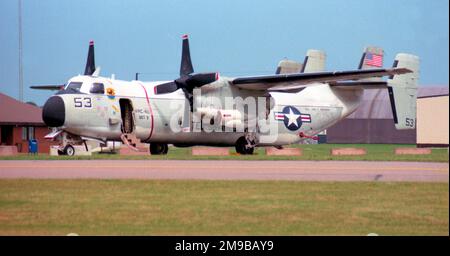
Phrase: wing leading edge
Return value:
(286, 82)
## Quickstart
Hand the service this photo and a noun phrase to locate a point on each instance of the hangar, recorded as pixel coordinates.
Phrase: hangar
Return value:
(373, 122)
(432, 126)
(19, 123)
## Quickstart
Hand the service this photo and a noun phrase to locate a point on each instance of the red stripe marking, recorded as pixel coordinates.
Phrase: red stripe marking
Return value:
(151, 112)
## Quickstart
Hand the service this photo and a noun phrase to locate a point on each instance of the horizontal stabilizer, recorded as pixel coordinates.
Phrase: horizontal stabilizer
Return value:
(295, 81)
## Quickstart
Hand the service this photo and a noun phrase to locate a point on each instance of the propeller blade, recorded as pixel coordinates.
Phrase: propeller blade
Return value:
(90, 62)
(166, 88)
(48, 87)
(200, 79)
(186, 121)
(186, 63)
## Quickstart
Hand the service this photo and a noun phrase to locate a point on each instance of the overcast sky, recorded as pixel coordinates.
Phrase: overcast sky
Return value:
(235, 37)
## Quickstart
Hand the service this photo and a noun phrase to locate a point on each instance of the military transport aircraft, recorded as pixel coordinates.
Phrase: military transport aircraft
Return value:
(208, 109)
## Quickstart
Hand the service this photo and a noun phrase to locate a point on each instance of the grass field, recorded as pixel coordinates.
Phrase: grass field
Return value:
(375, 152)
(131, 207)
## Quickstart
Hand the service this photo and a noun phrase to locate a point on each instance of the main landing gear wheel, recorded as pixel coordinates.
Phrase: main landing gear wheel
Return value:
(69, 150)
(158, 149)
(243, 148)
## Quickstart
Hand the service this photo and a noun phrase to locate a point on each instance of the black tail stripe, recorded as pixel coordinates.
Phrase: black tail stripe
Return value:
(305, 62)
(361, 62)
(394, 66)
(394, 110)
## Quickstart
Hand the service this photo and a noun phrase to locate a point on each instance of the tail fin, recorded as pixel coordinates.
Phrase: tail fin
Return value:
(314, 61)
(403, 91)
(372, 57)
(288, 67)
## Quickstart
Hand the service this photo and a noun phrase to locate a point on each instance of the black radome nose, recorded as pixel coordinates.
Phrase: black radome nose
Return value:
(54, 112)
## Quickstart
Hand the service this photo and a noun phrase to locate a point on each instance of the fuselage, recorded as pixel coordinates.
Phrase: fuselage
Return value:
(95, 107)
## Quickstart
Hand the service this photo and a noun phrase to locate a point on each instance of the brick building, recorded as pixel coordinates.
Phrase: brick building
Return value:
(20, 122)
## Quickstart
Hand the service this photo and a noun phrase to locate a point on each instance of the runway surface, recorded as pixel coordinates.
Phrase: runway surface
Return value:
(226, 170)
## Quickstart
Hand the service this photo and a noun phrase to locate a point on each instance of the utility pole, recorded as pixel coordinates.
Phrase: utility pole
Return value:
(20, 53)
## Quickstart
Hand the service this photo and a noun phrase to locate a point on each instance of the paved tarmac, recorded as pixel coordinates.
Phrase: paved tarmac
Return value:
(226, 170)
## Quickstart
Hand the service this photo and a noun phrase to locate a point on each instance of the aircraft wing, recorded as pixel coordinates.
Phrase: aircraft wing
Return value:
(289, 82)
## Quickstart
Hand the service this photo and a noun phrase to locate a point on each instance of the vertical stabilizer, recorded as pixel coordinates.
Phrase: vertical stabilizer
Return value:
(314, 61)
(288, 67)
(371, 58)
(403, 91)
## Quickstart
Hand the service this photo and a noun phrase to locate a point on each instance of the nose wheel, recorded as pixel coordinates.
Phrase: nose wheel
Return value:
(69, 150)
(158, 149)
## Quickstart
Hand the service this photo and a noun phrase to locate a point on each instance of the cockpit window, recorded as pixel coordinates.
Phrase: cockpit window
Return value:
(97, 88)
(74, 86)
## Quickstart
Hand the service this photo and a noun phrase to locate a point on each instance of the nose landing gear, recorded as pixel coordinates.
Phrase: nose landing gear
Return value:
(69, 150)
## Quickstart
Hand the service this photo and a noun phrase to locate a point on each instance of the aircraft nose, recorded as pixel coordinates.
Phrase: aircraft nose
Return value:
(54, 112)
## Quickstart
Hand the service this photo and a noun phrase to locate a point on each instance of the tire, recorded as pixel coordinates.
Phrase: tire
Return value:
(249, 151)
(69, 150)
(241, 147)
(158, 149)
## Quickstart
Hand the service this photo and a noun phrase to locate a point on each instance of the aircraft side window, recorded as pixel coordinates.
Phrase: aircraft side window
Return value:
(74, 86)
(97, 88)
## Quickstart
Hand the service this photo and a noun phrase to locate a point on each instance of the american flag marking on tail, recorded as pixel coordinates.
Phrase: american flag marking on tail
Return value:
(373, 59)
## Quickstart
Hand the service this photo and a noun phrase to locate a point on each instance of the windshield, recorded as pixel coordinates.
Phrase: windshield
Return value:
(74, 86)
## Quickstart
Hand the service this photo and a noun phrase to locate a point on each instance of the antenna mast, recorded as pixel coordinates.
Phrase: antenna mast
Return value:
(20, 53)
